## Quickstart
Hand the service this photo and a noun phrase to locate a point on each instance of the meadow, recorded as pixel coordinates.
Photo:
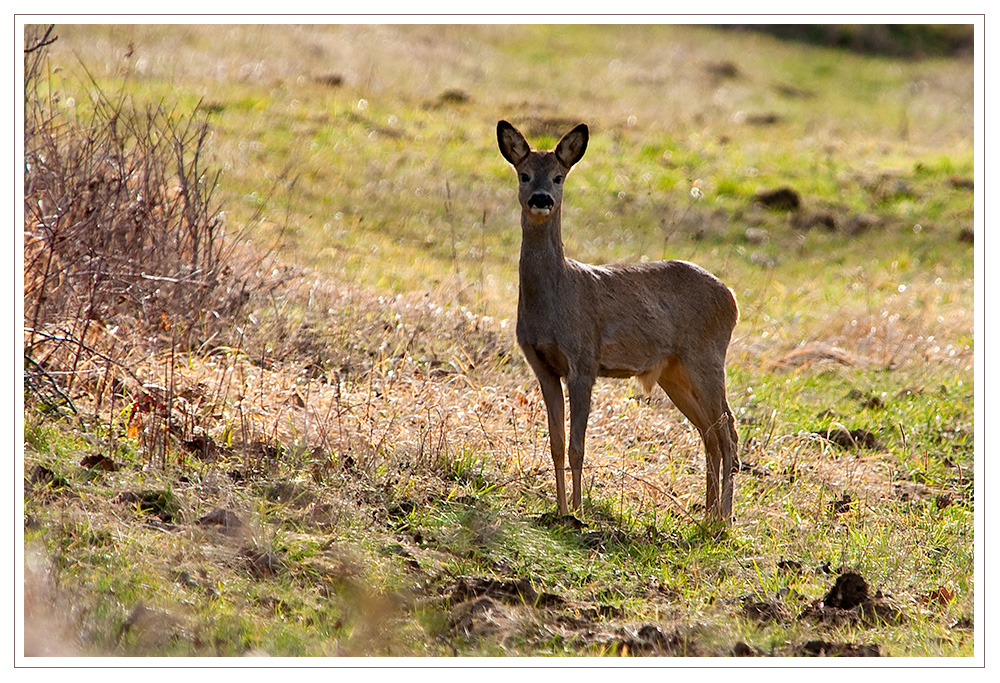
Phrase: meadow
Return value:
(354, 460)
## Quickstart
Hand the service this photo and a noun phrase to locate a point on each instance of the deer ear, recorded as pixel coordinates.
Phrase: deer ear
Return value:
(513, 146)
(572, 146)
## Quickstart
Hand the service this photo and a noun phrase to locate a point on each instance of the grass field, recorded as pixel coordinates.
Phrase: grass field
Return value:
(372, 476)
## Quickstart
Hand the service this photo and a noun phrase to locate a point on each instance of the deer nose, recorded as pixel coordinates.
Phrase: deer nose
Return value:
(541, 201)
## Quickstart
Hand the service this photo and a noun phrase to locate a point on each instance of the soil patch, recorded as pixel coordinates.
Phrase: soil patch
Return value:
(821, 648)
(848, 602)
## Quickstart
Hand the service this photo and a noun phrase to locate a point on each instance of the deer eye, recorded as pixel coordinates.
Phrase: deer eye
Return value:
(524, 177)
(558, 180)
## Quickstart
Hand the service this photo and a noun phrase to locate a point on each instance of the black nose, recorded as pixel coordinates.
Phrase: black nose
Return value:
(540, 200)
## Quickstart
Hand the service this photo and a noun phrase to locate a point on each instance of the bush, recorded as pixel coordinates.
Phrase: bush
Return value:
(125, 247)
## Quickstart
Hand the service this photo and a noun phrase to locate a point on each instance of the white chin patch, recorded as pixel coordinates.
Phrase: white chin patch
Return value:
(540, 212)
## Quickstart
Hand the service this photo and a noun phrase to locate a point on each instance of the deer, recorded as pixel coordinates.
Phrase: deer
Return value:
(667, 323)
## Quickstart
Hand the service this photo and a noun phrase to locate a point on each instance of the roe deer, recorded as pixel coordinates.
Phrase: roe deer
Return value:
(666, 323)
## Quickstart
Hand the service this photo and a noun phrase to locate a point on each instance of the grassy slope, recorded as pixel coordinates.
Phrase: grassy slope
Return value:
(399, 187)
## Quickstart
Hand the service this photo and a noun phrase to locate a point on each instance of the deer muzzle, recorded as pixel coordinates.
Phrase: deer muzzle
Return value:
(541, 204)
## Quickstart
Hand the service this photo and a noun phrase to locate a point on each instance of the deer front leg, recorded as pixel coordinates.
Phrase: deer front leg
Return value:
(580, 388)
(552, 393)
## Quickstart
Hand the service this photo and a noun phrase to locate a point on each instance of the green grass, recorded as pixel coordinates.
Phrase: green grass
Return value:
(402, 223)
(640, 565)
(357, 148)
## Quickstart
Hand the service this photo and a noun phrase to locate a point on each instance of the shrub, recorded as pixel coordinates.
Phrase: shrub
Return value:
(125, 246)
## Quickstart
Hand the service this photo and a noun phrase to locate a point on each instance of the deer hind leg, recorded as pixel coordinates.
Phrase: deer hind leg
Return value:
(700, 394)
(710, 385)
(729, 440)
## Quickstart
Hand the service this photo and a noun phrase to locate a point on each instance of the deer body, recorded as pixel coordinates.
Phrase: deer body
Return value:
(666, 323)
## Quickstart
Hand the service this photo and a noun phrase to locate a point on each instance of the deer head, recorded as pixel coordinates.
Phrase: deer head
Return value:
(540, 175)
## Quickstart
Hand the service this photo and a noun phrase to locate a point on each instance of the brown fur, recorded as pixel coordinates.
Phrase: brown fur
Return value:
(666, 323)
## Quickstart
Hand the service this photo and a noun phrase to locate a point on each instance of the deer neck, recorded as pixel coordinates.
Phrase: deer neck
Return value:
(542, 264)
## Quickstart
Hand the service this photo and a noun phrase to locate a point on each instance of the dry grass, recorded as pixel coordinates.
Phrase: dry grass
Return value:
(408, 396)
(412, 412)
